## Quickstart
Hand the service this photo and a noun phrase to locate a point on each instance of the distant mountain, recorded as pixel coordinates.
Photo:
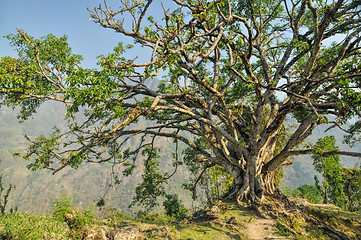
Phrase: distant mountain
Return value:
(35, 191)
(302, 172)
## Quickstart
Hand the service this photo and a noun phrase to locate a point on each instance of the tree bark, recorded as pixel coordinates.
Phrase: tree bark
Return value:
(248, 184)
(268, 182)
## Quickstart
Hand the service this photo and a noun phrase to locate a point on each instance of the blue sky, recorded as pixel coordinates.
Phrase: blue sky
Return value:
(62, 17)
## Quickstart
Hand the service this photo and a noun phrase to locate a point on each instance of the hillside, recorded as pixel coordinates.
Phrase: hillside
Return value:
(302, 171)
(223, 221)
(36, 191)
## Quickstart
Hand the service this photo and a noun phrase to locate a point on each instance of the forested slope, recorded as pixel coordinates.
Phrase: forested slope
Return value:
(36, 191)
(302, 170)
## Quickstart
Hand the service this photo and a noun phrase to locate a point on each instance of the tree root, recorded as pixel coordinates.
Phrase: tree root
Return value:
(287, 228)
(258, 212)
(330, 231)
(278, 206)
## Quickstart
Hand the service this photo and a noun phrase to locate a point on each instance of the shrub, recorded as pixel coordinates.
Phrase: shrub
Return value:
(306, 191)
(31, 226)
(77, 220)
(174, 208)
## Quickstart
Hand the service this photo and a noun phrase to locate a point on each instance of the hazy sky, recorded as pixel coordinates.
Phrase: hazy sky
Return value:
(61, 17)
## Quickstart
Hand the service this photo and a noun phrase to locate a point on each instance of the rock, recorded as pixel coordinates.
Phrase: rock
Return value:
(160, 233)
(215, 209)
(97, 234)
(124, 233)
(204, 215)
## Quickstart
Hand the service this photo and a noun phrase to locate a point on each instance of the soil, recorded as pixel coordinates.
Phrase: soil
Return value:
(260, 229)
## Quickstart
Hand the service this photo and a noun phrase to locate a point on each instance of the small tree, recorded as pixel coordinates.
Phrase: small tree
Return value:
(352, 188)
(78, 220)
(4, 195)
(174, 208)
(331, 171)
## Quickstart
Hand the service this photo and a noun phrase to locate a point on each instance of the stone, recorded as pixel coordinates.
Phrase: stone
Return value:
(124, 233)
(97, 234)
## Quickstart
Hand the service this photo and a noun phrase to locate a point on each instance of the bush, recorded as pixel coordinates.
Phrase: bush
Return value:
(63, 206)
(77, 220)
(174, 208)
(116, 218)
(306, 191)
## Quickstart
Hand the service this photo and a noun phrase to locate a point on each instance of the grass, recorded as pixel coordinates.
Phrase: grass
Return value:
(31, 226)
(218, 229)
(205, 231)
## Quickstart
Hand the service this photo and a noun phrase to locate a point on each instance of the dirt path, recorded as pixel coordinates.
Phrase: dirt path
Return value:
(261, 229)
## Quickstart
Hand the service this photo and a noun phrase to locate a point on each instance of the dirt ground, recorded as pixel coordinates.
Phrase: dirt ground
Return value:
(260, 228)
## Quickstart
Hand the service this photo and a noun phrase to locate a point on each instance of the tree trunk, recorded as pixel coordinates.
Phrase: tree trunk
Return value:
(325, 196)
(268, 182)
(248, 185)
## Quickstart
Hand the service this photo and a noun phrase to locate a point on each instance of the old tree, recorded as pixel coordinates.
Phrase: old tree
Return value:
(233, 73)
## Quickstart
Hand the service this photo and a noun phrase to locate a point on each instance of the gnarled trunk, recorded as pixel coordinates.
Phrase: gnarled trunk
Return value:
(249, 184)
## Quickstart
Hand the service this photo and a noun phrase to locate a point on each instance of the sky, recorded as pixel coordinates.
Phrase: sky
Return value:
(62, 17)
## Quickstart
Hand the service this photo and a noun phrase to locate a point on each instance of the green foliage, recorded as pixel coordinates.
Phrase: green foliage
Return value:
(31, 226)
(117, 217)
(44, 149)
(77, 220)
(306, 191)
(149, 217)
(51, 52)
(151, 188)
(216, 182)
(174, 207)
(234, 72)
(352, 188)
(63, 206)
(331, 171)
(211, 181)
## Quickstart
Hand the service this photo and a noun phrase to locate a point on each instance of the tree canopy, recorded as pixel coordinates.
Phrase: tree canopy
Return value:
(234, 73)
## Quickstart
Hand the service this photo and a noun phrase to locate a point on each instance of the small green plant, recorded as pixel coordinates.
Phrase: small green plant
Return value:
(141, 215)
(4, 198)
(174, 208)
(77, 220)
(63, 206)
(116, 218)
(148, 217)
(331, 186)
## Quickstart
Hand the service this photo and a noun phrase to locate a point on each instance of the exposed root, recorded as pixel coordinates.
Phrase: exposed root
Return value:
(330, 231)
(298, 220)
(289, 215)
(256, 208)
